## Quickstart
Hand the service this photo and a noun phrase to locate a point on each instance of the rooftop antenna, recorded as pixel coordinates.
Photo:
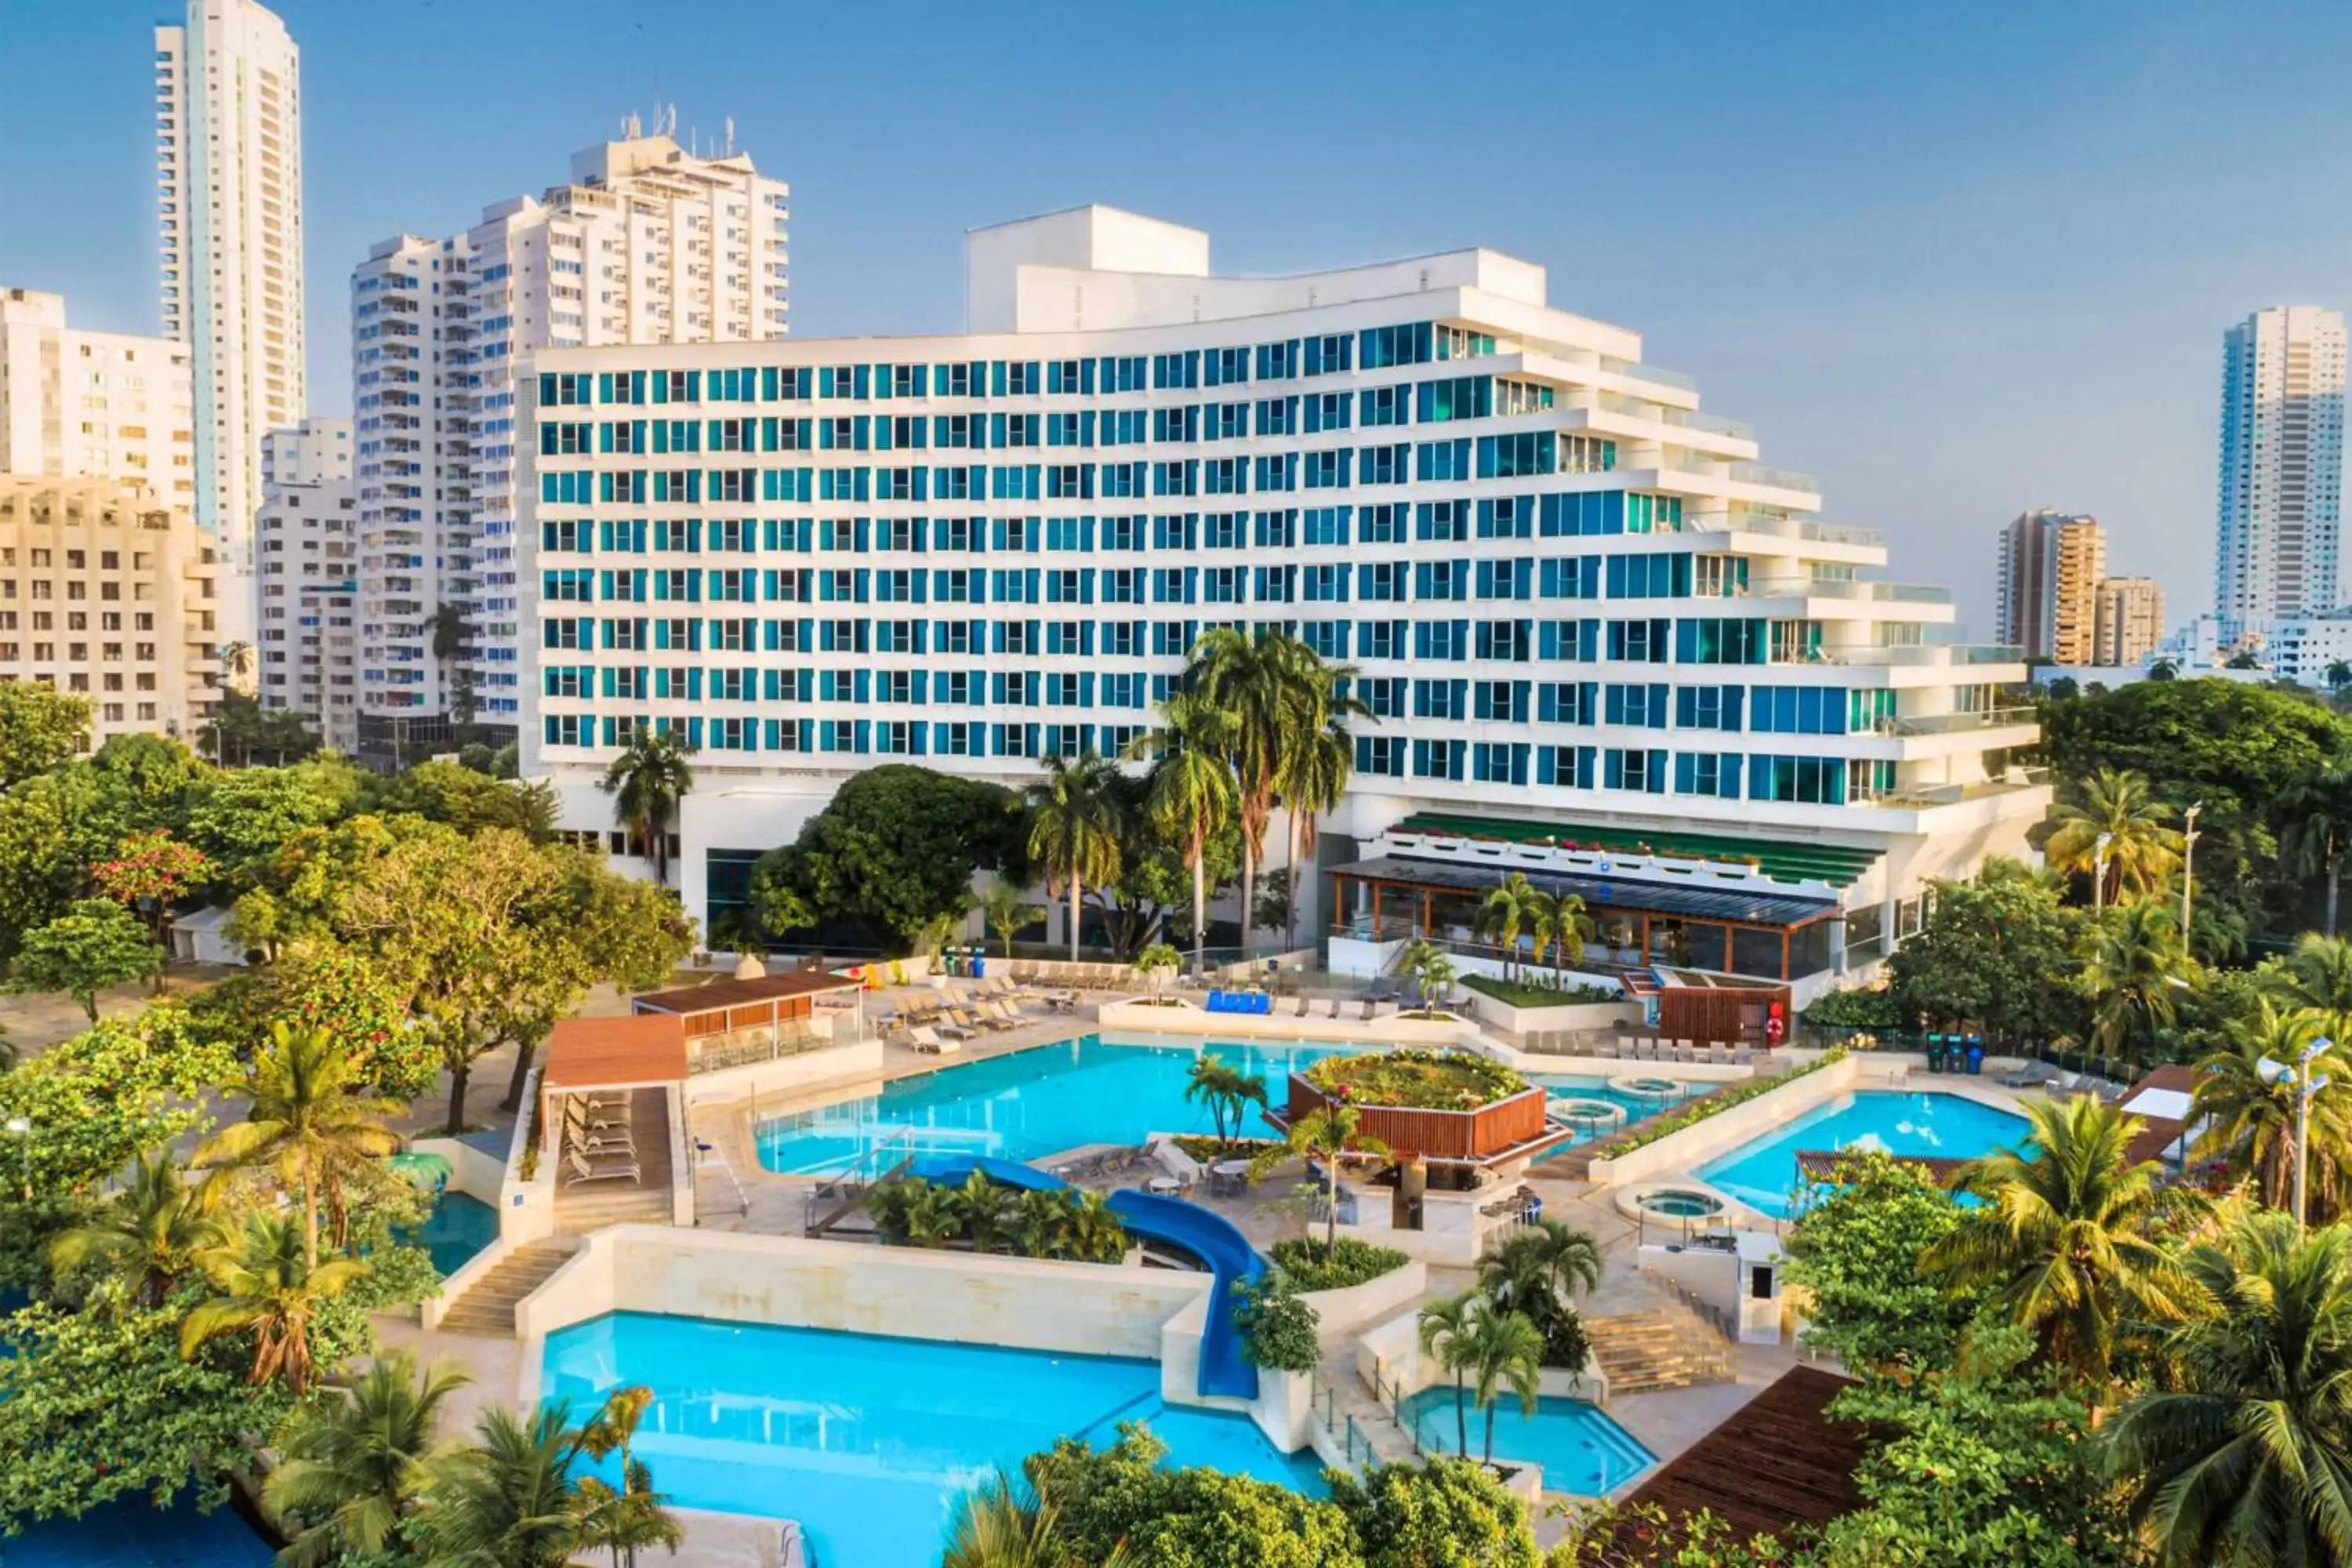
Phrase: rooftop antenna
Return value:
(731, 136)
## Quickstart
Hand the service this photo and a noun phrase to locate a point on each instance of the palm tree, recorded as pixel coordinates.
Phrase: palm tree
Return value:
(1427, 965)
(1004, 913)
(2060, 1239)
(636, 1516)
(1257, 681)
(2142, 853)
(1040, 1224)
(1328, 1133)
(2316, 823)
(1003, 1524)
(1096, 1233)
(270, 1286)
(1190, 793)
(1505, 913)
(154, 1231)
(236, 662)
(1226, 1091)
(1445, 1326)
(648, 781)
(1502, 1348)
(2133, 969)
(2317, 975)
(2250, 1124)
(2244, 1454)
(1315, 777)
(1558, 920)
(1538, 1268)
(2339, 674)
(1073, 829)
(354, 1465)
(303, 1120)
(507, 1500)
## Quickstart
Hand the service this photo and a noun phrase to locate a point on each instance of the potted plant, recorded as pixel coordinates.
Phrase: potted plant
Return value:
(1158, 965)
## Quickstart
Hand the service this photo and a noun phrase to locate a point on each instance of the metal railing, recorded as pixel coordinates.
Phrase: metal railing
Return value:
(843, 1190)
(781, 1043)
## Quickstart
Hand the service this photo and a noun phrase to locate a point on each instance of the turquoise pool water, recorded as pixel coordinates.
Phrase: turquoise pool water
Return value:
(458, 1227)
(1030, 1104)
(1581, 1450)
(1763, 1174)
(867, 1441)
(1637, 1107)
(135, 1534)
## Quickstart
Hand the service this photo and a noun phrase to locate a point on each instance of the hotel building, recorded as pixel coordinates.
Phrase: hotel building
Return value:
(309, 557)
(2130, 620)
(1600, 642)
(93, 404)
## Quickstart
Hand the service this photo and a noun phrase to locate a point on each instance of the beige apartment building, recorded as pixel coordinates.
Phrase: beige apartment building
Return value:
(102, 404)
(108, 591)
(2129, 620)
(2046, 591)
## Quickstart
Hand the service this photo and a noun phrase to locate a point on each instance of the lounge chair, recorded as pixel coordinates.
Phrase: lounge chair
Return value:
(615, 1170)
(600, 1146)
(956, 1026)
(1006, 1015)
(1368, 1005)
(2029, 1075)
(926, 1040)
(1741, 1055)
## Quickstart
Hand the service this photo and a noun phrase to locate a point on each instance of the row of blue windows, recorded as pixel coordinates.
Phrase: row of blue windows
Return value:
(1820, 781)
(885, 737)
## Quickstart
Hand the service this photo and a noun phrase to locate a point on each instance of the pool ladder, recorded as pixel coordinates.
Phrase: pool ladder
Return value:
(845, 1191)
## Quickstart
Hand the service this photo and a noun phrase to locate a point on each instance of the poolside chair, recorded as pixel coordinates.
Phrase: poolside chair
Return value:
(1741, 1055)
(928, 1041)
(956, 1026)
(615, 1170)
(600, 1146)
(1007, 1016)
(1720, 1056)
(1303, 1003)
(2029, 1075)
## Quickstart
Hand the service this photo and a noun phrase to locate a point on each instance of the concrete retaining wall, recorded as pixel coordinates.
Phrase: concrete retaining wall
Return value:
(1775, 1108)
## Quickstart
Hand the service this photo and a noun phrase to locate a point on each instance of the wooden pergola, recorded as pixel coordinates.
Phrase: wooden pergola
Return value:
(609, 1055)
(736, 1016)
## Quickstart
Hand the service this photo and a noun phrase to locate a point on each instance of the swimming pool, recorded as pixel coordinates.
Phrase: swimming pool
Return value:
(1763, 1174)
(1030, 1104)
(131, 1533)
(458, 1227)
(1581, 1450)
(1637, 1107)
(867, 1441)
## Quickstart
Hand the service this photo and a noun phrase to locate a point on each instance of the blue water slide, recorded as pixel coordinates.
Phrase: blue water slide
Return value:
(1210, 1238)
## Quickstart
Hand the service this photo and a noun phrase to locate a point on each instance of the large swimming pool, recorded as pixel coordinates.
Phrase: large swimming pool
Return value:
(866, 1440)
(1763, 1174)
(1581, 1450)
(1030, 1104)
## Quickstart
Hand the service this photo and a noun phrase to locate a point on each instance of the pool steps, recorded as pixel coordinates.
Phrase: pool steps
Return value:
(488, 1309)
(1664, 1347)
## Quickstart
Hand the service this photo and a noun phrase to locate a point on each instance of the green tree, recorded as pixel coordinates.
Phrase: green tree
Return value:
(1429, 969)
(1277, 1324)
(151, 872)
(350, 1468)
(1445, 1329)
(1505, 914)
(304, 1122)
(1266, 684)
(1003, 1524)
(1327, 1135)
(1073, 830)
(1006, 914)
(2249, 1124)
(1227, 1092)
(97, 1102)
(1447, 1513)
(2316, 815)
(52, 828)
(2141, 853)
(96, 944)
(241, 819)
(1501, 1350)
(649, 781)
(636, 1517)
(509, 1499)
(150, 1235)
(1315, 774)
(2061, 1242)
(39, 727)
(1122, 1495)
(2243, 1454)
(269, 1285)
(1192, 790)
(470, 800)
(1537, 1272)
(1856, 1251)
(2315, 976)
(2133, 971)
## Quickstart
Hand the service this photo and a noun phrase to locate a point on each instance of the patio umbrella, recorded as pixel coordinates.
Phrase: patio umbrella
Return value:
(431, 1172)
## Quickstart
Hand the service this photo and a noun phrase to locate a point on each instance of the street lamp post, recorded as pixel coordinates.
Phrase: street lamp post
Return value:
(2300, 1078)
(21, 1127)
(2188, 868)
(2099, 871)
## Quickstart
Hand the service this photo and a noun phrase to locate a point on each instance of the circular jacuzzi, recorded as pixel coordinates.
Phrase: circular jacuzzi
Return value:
(1591, 1117)
(1673, 1202)
(1643, 1087)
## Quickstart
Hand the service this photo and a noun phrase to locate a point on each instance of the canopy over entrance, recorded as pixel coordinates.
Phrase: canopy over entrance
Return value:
(647, 1051)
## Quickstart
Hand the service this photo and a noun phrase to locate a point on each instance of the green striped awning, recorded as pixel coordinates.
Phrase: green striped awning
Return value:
(1838, 864)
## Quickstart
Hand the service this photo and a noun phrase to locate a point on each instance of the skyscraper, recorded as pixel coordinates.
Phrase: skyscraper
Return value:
(229, 157)
(2281, 464)
(2047, 591)
(647, 244)
(2130, 620)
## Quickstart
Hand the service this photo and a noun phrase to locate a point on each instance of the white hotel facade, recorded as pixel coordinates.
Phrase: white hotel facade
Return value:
(1601, 643)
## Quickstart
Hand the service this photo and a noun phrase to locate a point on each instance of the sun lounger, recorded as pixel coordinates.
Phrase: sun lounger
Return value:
(602, 1145)
(2028, 1076)
(952, 1030)
(616, 1170)
(1003, 1014)
(928, 1041)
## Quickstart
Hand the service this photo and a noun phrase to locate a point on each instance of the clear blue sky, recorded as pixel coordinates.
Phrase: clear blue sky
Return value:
(1956, 260)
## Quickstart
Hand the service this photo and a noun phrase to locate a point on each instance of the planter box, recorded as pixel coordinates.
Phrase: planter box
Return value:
(1576, 1015)
(1478, 1134)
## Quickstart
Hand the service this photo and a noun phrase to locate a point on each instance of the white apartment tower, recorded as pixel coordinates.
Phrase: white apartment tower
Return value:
(228, 158)
(2282, 476)
(647, 244)
(96, 405)
(308, 558)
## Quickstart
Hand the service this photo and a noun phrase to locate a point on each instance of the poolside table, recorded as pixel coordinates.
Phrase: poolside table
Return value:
(1166, 1187)
(1228, 1176)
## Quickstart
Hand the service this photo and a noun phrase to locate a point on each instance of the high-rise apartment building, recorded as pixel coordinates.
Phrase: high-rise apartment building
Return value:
(2281, 464)
(647, 244)
(1581, 611)
(2046, 591)
(229, 156)
(307, 550)
(106, 591)
(96, 405)
(2130, 620)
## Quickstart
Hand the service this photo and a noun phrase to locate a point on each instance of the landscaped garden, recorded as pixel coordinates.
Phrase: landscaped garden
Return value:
(1416, 1079)
(1536, 994)
(1310, 1264)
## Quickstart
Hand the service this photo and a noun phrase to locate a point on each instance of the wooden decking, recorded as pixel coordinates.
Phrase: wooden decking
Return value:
(1777, 1463)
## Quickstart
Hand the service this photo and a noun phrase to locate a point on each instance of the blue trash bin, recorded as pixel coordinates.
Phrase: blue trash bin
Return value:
(1975, 1053)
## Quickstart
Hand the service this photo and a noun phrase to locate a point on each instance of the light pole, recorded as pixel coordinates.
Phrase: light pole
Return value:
(2299, 1079)
(2188, 868)
(2099, 871)
(21, 1127)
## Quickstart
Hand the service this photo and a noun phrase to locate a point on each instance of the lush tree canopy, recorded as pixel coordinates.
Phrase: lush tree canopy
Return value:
(39, 727)
(1989, 955)
(893, 853)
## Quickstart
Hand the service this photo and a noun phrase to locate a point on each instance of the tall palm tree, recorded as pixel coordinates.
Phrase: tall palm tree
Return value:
(2316, 825)
(1315, 776)
(648, 781)
(1257, 681)
(304, 1120)
(152, 1233)
(1502, 1349)
(267, 1285)
(2317, 975)
(1074, 829)
(1226, 1091)
(2133, 969)
(2061, 1240)
(636, 1515)
(507, 1501)
(1506, 911)
(2250, 1124)
(1561, 920)
(1192, 792)
(2142, 852)
(354, 1465)
(1444, 1328)
(1539, 1269)
(236, 664)
(2243, 1456)
(1327, 1133)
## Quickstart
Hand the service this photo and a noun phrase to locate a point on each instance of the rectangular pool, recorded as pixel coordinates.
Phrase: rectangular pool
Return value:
(1763, 1174)
(867, 1441)
(1030, 1104)
(1581, 1450)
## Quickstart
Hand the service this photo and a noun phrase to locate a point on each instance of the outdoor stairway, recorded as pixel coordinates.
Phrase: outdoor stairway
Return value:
(1663, 1347)
(488, 1308)
(584, 1206)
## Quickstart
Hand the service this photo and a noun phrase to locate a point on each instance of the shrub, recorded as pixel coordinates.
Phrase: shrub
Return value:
(1208, 1150)
(1306, 1264)
(1536, 993)
(1855, 1008)
(1423, 1080)
(1278, 1325)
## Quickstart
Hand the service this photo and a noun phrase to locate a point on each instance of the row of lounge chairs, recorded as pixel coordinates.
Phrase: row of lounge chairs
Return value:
(953, 1025)
(1651, 1049)
(2064, 1085)
(598, 1145)
(1106, 1163)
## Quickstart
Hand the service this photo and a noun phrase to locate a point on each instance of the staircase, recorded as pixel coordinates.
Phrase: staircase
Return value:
(488, 1309)
(1663, 1347)
(583, 1207)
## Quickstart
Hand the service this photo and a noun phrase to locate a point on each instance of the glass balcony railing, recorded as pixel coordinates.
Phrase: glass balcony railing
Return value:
(1778, 479)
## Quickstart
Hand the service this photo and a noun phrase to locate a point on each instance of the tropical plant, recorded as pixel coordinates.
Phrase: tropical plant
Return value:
(648, 782)
(1316, 768)
(1073, 833)
(1158, 965)
(1327, 1133)
(1096, 1233)
(636, 1516)
(1002, 908)
(1268, 685)
(2243, 1454)
(2250, 1121)
(1039, 1223)
(509, 1499)
(236, 661)
(1501, 1350)
(350, 1468)
(2316, 975)
(304, 1122)
(2060, 1241)
(1429, 969)
(1277, 1324)
(1004, 1524)
(2316, 817)
(987, 1211)
(1192, 794)
(151, 872)
(2133, 969)
(1444, 1327)
(1505, 914)
(95, 944)
(1349, 1263)
(1227, 1092)
(268, 1285)
(2141, 854)
(150, 1234)
(1537, 1270)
